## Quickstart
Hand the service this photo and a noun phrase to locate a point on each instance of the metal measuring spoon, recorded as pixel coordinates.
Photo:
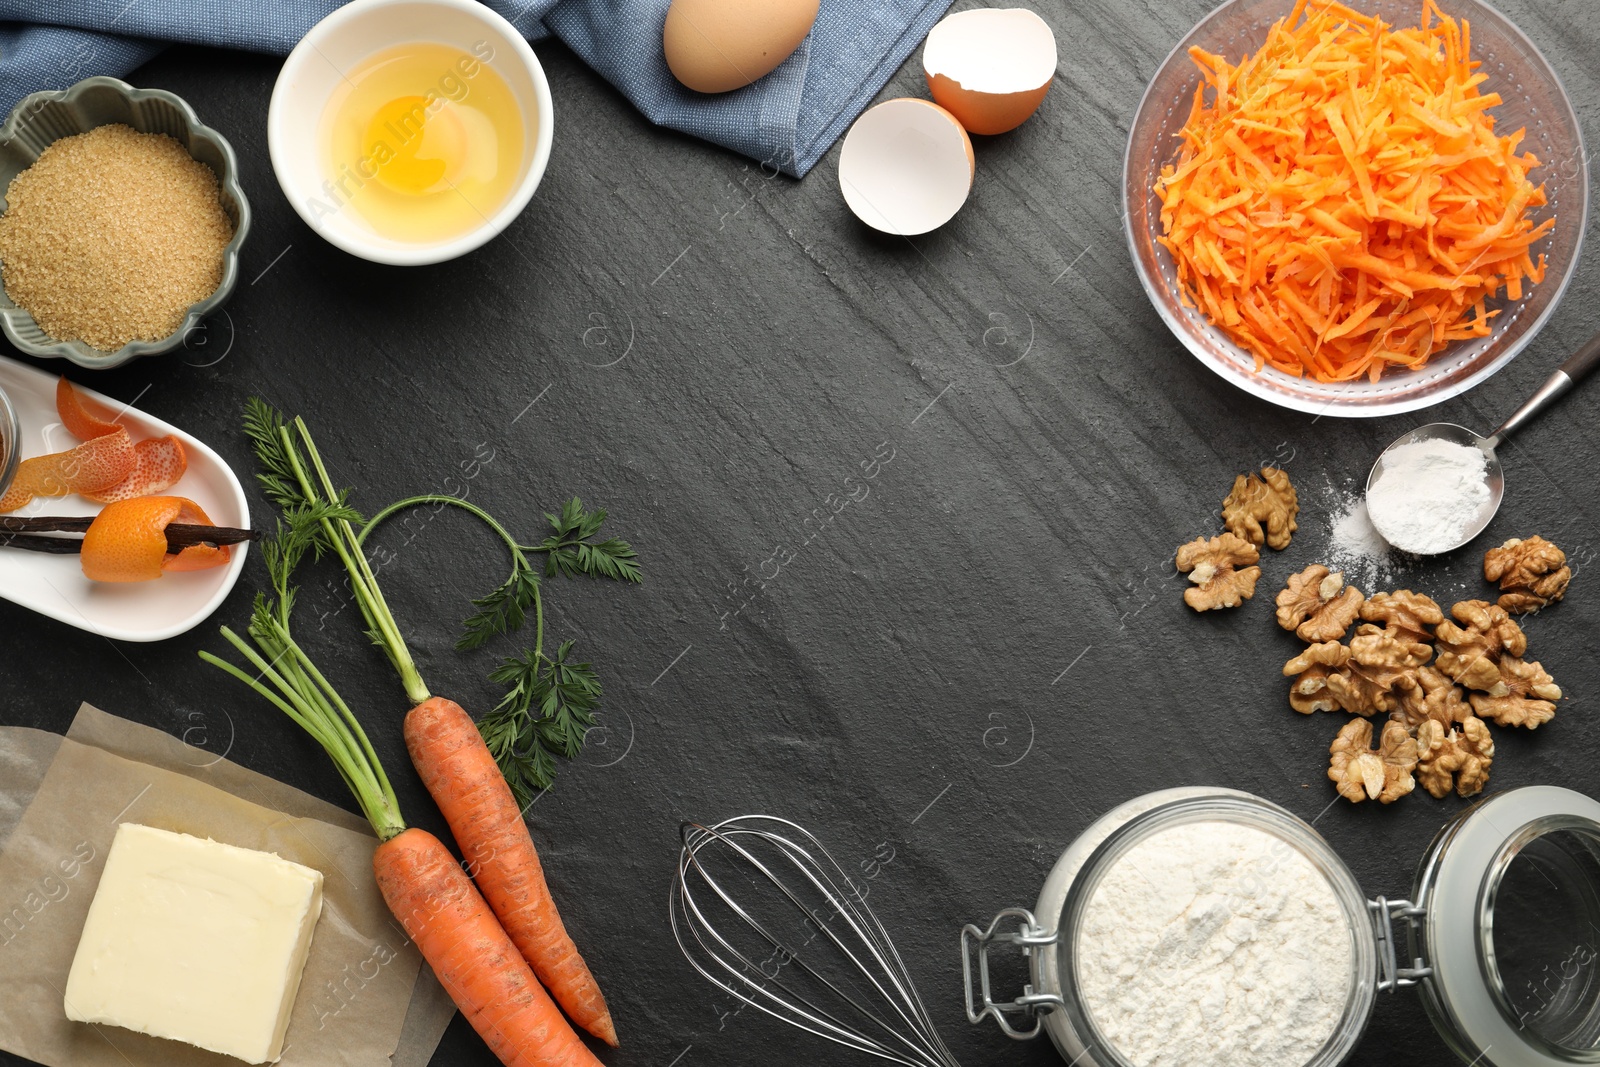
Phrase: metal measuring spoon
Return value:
(1568, 375)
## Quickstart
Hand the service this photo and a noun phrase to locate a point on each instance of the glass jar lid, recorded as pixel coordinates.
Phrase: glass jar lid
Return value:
(1506, 931)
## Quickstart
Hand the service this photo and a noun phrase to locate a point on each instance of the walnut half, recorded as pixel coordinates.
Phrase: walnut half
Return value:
(1470, 653)
(1262, 508)
(1360, 774)
(1531, 571)
(1380, 663)
(1317, 605)
(1426, 694)
(1311, 670)
(1523, 695)
(1454, 757)
(1215, 568)
(1404, 613)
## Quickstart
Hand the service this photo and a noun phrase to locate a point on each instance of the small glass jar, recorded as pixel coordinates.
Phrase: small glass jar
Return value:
(10, 442)
(1501, 934)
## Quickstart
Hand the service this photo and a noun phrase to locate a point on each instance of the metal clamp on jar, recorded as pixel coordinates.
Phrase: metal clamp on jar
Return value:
(1501, 935)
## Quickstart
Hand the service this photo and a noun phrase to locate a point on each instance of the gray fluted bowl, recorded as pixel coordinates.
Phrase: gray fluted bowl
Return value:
(42, 118)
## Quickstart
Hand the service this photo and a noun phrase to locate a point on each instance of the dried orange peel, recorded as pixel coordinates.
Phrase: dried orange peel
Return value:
(83, 418)
(1342, 204)
(93, 466)
(127, 542)
(107, 466)
(158, 463)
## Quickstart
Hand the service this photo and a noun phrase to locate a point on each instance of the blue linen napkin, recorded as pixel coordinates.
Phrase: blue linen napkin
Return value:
(787, 120)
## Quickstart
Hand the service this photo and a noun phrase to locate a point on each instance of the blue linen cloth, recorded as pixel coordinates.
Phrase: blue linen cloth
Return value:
(787, 120)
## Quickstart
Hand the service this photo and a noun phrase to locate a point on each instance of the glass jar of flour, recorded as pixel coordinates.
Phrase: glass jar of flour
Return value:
(1212, 928)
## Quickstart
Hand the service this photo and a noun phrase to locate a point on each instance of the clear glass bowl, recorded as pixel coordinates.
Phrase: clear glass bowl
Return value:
(1533, 98)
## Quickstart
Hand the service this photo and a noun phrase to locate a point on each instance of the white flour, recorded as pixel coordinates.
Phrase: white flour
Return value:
(1212, 944)
(1429, 493)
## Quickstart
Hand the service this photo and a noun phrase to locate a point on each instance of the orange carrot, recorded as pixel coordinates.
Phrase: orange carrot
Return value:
(466, 784)
(450, 755)
(435, 902)
(471, 955)
(1342, 204)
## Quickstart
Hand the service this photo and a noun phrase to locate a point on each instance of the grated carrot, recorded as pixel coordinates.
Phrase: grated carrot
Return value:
(1342, 204)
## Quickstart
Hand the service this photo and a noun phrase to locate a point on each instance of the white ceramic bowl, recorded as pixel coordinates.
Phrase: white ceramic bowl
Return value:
(340, 42)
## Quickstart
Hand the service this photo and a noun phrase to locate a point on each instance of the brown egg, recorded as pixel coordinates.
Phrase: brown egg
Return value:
(713, 46)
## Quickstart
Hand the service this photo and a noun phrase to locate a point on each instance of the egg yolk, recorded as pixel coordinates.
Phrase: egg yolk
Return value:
(422, 148)
(424, 142)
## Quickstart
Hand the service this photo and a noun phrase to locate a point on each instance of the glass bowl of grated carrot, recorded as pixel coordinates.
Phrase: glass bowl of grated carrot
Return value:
(1388, 326)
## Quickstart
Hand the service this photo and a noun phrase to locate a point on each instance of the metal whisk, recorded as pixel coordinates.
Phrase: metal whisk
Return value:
(764, 912)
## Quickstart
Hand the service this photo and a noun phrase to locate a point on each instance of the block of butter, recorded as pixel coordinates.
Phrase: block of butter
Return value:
(196, 941)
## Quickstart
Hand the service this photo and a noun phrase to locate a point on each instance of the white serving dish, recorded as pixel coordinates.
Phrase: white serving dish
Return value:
(55, 585)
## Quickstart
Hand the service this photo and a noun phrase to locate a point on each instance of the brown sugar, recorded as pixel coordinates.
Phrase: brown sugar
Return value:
(110, 235)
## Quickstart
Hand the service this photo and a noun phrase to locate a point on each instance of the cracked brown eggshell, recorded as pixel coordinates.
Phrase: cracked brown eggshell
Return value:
(906, 167)
(990, 67)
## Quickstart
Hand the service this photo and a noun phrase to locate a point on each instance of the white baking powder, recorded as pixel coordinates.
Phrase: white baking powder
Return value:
(1429, 493)
(1214, 944)
(1355, 547)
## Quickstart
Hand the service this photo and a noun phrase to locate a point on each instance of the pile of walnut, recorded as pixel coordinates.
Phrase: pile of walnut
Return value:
(1438, 679)
(1261, 509)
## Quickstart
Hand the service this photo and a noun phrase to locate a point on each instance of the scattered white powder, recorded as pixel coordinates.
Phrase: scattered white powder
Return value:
(1429, 493)
(1356, 548)
(1212, 944)
(1353, 531)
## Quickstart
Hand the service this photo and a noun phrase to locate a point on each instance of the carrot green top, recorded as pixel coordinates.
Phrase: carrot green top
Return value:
(284, 674)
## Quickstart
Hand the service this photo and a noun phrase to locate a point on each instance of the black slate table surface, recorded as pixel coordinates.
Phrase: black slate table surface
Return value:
(980, 653)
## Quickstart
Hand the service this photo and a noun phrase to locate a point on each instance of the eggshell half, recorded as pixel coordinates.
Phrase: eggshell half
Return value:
(713, 46)
(906, 167)
(990, 67)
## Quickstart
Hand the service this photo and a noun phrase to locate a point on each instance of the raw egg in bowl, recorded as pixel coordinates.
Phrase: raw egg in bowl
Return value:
(410, 131)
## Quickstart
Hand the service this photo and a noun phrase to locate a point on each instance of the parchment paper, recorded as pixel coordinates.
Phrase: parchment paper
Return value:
(365, 996)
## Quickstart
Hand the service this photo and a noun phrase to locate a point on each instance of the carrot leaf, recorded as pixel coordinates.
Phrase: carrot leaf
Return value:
(267, 430)
(550, 700)
(571, 550)
(503, 610)
(547, 710)
(294, 477)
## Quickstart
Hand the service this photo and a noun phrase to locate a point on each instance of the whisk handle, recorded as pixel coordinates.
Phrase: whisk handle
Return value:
(980, 1000)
